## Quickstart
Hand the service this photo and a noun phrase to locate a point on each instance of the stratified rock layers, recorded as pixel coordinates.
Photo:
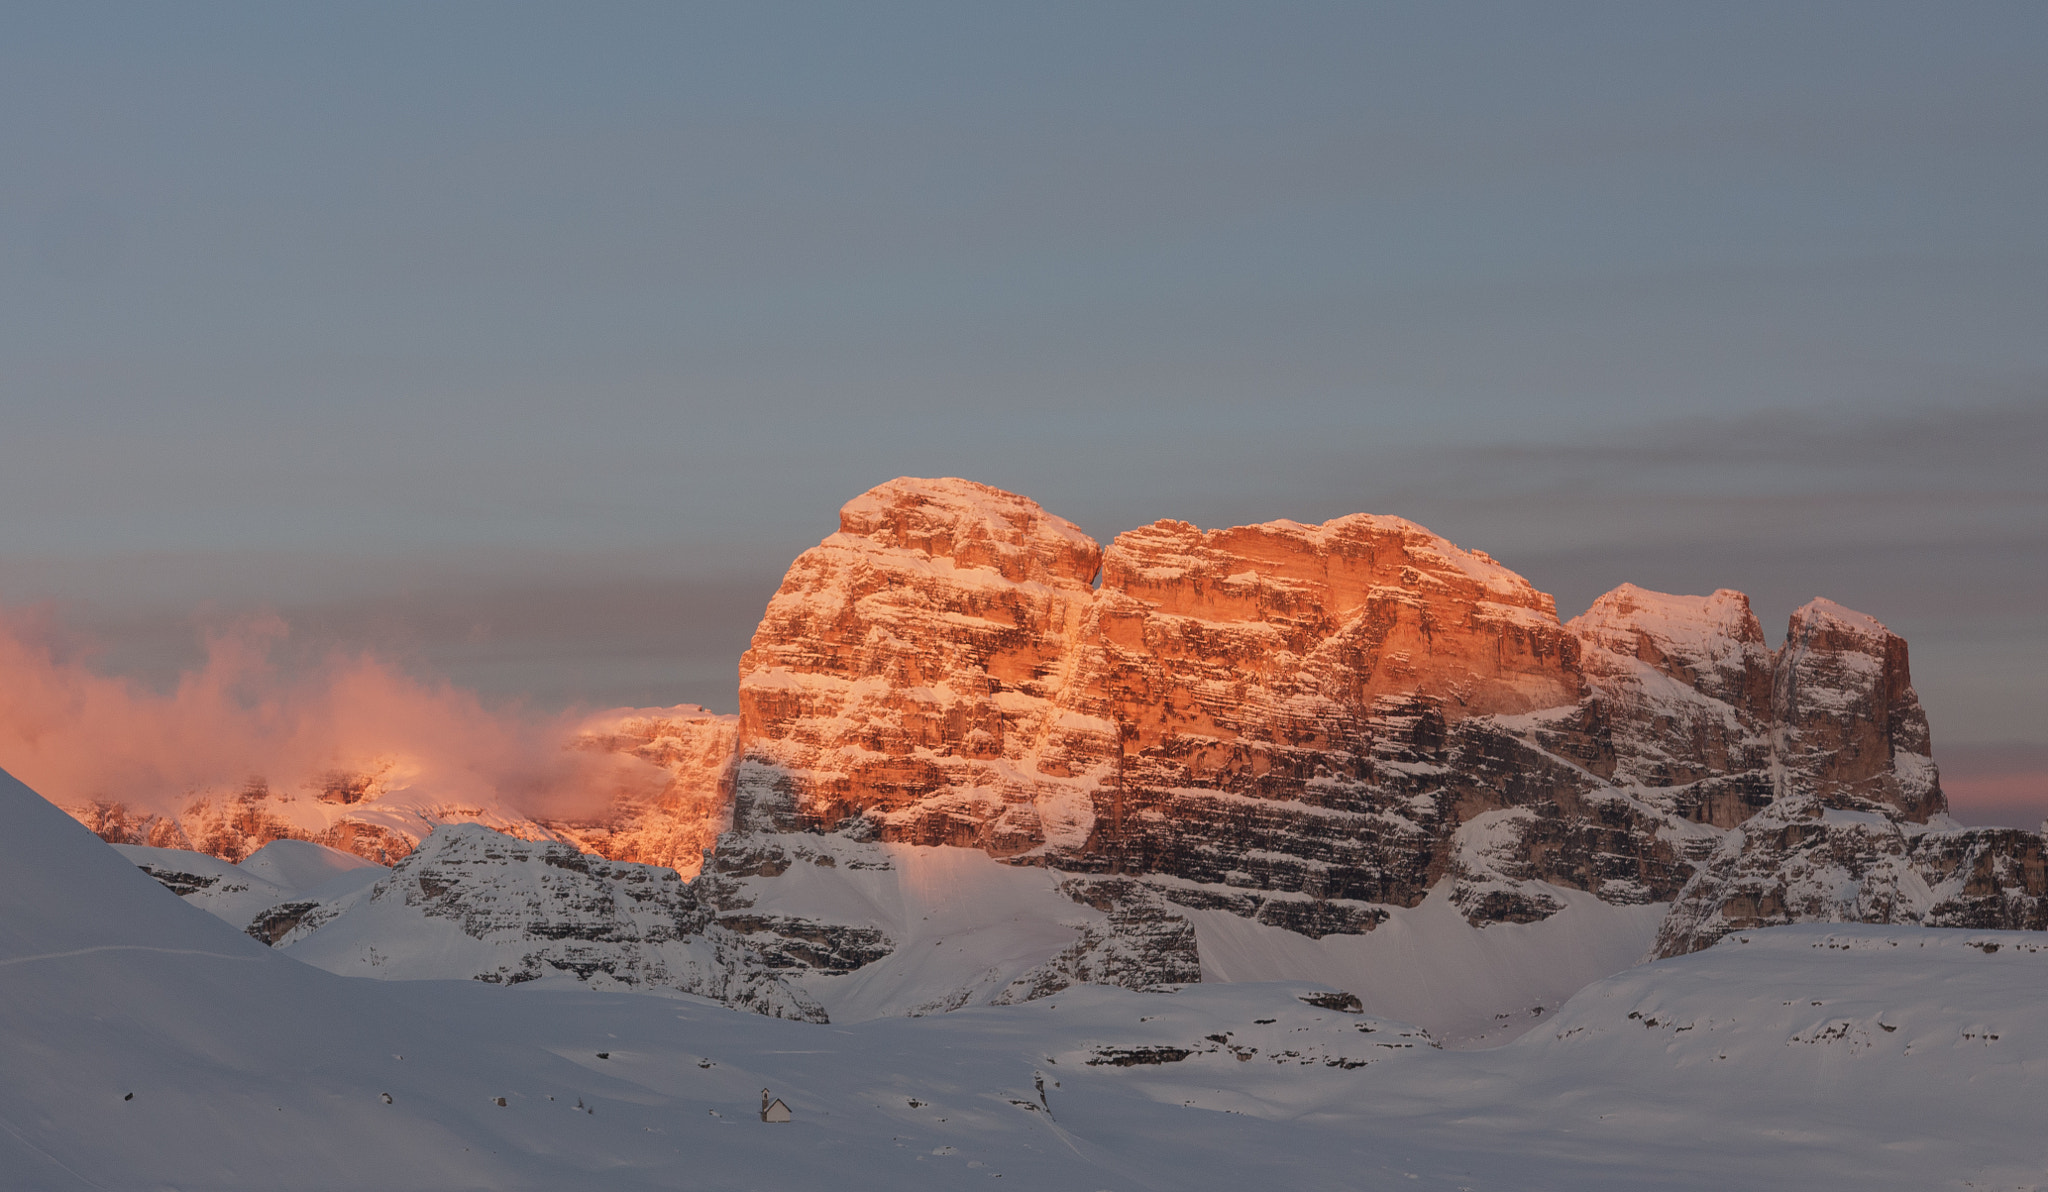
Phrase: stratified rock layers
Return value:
(676, 823)
(1302, 724)
(910, 668)
(1306, 726)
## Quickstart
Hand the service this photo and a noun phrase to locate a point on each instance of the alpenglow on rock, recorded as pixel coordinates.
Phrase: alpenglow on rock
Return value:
(680, 759)
(1304, 725)
(980, 758)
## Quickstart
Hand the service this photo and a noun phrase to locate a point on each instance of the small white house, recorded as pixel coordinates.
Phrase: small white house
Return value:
(772, 1109)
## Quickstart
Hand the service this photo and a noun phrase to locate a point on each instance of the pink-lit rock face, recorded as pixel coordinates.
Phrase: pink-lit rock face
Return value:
(670, 824)
(1243, 622)
(1277, 689)
(1298, 723)
(1303, 725)
(1299, 717)
(909, 669)
(662, 800)
(367, 812)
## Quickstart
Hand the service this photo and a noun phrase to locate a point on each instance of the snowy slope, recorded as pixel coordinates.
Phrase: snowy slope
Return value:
(826, 927)
(965, 928)
(277, 884)
(301, 865)
(223, 889)
(1764, 1062)
(1470, 986)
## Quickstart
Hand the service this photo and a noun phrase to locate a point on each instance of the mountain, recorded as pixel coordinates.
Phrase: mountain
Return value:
(674, 800)
(1310, 726)
(1352, 753)
(145, 1044)
(283, 879)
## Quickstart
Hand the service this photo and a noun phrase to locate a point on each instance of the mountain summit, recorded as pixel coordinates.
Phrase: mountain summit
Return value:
(980, 758)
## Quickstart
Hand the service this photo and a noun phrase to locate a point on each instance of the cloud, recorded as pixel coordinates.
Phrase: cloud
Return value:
(655, 625)
(261, 706)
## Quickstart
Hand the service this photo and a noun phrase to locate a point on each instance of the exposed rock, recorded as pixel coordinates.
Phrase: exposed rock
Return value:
(1309, 727)
(1343, 1003)
(489, 884)
(676, 824)
(666, 814)
(219, 887)
(1294, 704)
(1684, 689)
(287, 921)
(1144, 945)
(368, 813)
(1801, 861)
(1303, 725)
(1289, 721)
(1852, 729)
(524, 910)
(908, 667)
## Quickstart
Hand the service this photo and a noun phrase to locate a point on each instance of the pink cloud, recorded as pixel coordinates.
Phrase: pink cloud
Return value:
(257, 708)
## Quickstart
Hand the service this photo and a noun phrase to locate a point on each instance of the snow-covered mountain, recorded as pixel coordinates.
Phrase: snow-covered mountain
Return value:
(667, 803)
(1330, 731)
(825, 928)
(980, 757)
(146, 1044)
(284, 879)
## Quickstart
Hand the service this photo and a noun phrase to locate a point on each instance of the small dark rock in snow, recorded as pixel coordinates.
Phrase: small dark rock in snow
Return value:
(604, 1055)
(500, 1102)
(129, 1097)
(1346, 1003)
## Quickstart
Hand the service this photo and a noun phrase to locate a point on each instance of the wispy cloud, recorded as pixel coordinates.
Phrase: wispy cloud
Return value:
(257, 707)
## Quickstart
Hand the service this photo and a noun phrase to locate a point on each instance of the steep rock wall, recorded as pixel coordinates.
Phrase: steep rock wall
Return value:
(1289, 721)
(1301, 724)
(909, 671)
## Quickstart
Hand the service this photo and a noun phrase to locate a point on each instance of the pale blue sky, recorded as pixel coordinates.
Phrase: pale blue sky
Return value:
(531, 342)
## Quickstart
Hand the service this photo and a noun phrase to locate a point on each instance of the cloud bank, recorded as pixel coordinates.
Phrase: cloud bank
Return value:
(260, 708)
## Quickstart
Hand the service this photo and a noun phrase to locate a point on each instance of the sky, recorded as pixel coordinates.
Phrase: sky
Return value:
(517, 349)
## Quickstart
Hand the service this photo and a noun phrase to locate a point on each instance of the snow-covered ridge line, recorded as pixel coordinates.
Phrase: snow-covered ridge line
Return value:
(1311, 728)
(1826, 1058)
(1285, 710)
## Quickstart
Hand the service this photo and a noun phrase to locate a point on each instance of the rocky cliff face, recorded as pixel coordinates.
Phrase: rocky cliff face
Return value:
(786, 927)
(1852, 732)
(363, 812)
(1801, 861)
(477, 904)
(1683, 686)
(1304, 725)
(908, 672)
(679, 819)
(1306, 730)
(1291, 722)
(666, 814)
(1272, 689)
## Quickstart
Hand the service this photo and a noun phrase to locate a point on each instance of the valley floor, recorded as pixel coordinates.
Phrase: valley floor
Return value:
(146, 1044)
(1850, 1058)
